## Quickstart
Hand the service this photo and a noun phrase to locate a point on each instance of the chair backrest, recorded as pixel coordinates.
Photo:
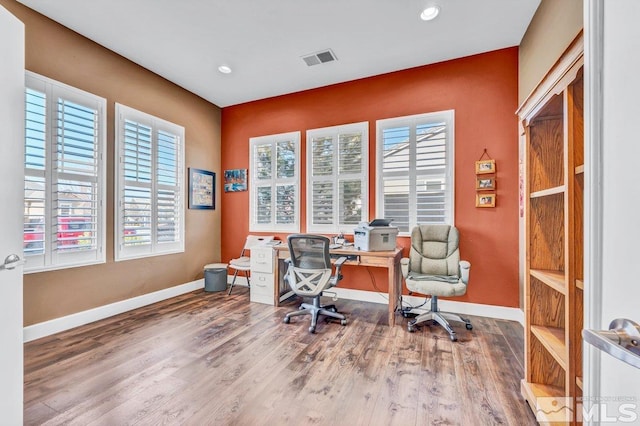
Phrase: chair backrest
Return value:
(434, 250)
(310, 264)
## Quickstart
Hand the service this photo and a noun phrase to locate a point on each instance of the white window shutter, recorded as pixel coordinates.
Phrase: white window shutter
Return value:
(415, 162)
(274, 204)
(149, 186)
(65, 131)
(337, 163)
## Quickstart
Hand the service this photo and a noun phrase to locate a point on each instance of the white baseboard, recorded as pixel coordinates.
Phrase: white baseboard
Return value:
(464, 308)
(57, 325)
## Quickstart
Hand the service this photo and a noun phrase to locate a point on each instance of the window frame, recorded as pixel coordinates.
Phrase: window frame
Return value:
(51, 259)
(412, 121)
(154, 248)
(335, 178)
(272, 141)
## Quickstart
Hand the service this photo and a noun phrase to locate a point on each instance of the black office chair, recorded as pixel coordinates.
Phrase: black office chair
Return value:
(309, 274)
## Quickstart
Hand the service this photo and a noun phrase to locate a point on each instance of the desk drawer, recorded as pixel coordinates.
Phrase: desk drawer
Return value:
(367, 260)
(261, 290)
(262, 259)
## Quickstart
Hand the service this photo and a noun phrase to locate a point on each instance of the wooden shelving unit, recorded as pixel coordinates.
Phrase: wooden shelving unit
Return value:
(553, 134)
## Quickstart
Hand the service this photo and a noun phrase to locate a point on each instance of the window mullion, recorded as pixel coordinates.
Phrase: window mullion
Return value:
(413, 205)
(336, 179)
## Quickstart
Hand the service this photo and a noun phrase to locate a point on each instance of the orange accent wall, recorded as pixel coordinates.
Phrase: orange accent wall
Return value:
(483, 91)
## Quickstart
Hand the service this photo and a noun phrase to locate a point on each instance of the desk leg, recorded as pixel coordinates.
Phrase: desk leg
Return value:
(395, 290)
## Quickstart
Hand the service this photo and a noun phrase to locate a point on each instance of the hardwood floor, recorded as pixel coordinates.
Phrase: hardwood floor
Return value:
(212, 359)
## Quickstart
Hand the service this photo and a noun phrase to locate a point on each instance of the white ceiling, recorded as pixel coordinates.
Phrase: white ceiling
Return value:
(264, 40)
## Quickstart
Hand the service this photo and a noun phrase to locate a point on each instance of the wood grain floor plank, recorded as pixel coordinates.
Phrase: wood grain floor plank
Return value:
(212, 359)
(439, 395)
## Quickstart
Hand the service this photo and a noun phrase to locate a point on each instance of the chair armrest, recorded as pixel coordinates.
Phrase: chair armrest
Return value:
(404, 266)
(340, 261)
(465, 267)
(338, 265)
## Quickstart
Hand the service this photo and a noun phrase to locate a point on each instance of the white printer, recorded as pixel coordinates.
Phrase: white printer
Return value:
(375, 236)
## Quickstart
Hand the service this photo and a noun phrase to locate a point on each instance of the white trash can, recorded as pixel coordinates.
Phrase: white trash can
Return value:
(215, 277)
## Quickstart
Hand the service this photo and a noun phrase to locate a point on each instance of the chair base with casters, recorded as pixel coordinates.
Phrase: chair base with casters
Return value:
(439, 317)
(315, 310)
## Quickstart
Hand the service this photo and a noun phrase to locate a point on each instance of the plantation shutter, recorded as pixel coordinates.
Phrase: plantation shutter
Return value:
(274, 203)
(76, 160)
(35, 220)
(137, 200)
(150, 185)
(337, 162)
(64, 175)
(169, 181)
(416, 160)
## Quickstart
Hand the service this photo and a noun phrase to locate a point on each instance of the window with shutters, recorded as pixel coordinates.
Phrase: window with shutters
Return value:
(337, 188)
(415, 169)
(149, 185)
(274, 204)
(64, 186)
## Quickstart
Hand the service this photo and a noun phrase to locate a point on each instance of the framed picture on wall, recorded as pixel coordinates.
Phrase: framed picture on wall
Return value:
(485, 166)
(485, 183)
(485, 200)
(202, 184)
(235, 180)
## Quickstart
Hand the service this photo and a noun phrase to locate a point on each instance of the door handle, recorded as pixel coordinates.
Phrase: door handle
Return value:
(11, 262)
(621, 341)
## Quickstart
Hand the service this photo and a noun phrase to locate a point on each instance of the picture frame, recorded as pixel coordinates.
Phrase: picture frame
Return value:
(485, 166)
(484, 199)
(202, 194)
(485, 183)
(235, 180)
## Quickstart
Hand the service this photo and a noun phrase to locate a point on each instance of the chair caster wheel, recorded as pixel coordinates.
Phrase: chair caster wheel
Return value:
(286, 320)
(453, 337)
(469, 326)
(411, 328)
(312, 330)
(343, 322)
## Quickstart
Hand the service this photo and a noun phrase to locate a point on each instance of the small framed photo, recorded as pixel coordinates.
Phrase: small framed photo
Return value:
(485, 183)
(202, 184)
(485, 166)
(235, 180)
(485, 200)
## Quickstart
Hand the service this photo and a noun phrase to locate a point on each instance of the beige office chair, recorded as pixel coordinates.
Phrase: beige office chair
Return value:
(243, 263)
(309, 274)
(434, 268)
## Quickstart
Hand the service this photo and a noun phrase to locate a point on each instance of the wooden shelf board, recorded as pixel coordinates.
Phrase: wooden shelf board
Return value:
(580, 284)
(532, 391)
(551, 191)
(552, 339)
(580, 169)
(579, 382)
(554, 279)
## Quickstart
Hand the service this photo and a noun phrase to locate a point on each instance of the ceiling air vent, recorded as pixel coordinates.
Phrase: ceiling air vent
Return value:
(319, 57)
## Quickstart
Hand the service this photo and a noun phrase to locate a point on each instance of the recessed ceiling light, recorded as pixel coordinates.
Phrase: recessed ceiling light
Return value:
(224, 69)
(430, 13)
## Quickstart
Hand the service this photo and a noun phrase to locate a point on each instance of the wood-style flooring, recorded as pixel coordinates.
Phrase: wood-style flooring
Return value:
(212, 359)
